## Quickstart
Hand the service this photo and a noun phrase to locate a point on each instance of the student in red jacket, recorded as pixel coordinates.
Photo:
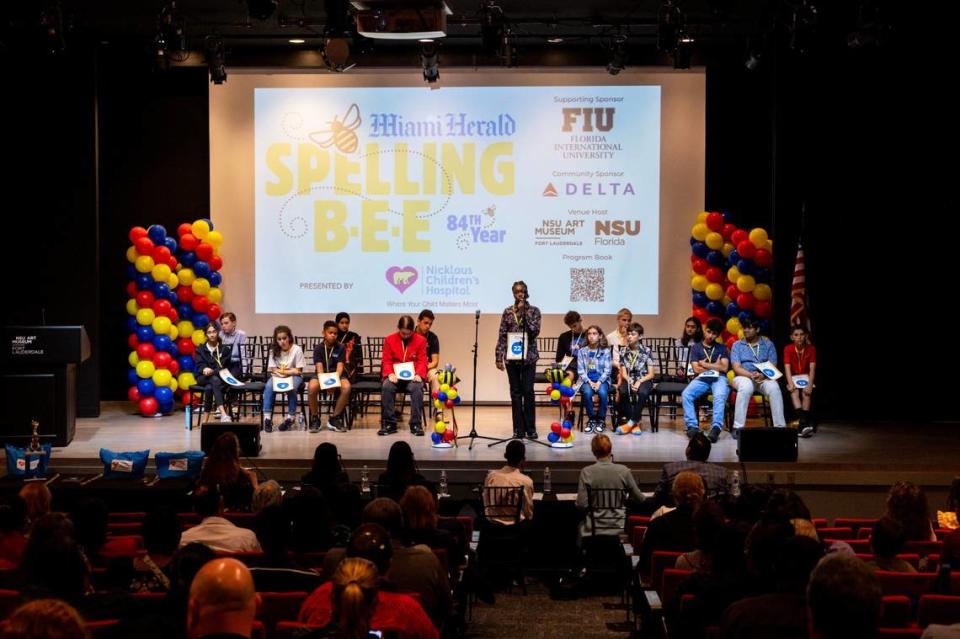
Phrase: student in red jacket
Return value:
(404, 368)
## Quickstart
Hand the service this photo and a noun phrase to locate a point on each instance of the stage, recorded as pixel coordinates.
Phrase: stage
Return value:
(854, 463)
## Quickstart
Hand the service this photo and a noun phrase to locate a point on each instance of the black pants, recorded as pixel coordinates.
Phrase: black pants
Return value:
(521, 397)
(631, 404)
(216, 384)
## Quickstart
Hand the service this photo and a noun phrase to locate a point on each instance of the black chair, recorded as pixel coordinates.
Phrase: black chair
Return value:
(670, 382)
(503, 538)
(605, 560)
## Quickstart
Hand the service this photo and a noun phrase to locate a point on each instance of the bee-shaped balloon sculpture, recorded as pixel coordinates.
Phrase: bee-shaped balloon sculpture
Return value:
(560, 390)
(447, 397)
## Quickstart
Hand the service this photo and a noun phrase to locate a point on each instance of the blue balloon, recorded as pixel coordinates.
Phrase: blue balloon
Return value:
(764, 326)
(733, 310)
(208, 221)
(162, 342)
(144, 281)
(456, 400)
(172, 298)
(185, 312)
(745, 267)
(201, 269)
(157, 234)
(165, 407)
(185, 362)
(146, 387)
(164, 395)
(701, 250)
(700, 299)
(567, 423)
(442, 396)
(171, 244)
(762, 275)
(131, 324)
(144, 334)
(436, 437)
(161, 289)
(715, 308)
(188, 259)
(131, 273)
(569, 392)
(726, 216)
(715, 258)
(215, 279)
(733, 257)
(553, 438)
(199, 320)
(132, 378)
(744, 316)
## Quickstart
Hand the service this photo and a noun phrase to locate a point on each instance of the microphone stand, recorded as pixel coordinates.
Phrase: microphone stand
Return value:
(473, 410)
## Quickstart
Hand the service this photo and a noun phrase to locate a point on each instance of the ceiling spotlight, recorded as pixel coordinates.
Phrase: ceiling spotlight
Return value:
(216, 59)
(508, 53)
(491, 26)
(261, 9)
(683, 52)
(296, 41)
(669, 24)
(430, 61)
(618, 55)
(554, 40)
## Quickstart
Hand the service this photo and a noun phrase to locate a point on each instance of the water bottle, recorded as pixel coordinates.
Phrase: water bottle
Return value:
(443, 484)
(735, 483)
(547, 485)
(301, 422)
(188, 416)
(365, 480)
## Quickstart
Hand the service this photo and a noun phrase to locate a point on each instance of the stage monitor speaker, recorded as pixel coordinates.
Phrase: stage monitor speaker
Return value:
(248, 434)
(767, 444)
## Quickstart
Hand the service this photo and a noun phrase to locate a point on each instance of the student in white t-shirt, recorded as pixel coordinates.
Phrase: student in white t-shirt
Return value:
(286, 360)
(619, 336)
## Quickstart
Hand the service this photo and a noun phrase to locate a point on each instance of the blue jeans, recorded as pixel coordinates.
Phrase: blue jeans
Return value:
(698, 387)
(588, 394)
(291, 396)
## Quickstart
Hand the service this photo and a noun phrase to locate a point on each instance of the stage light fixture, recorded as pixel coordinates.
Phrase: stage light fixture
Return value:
(491, 26)
(618, 55)
(261, 9)
(669, 24)
(683, 51)
(430, 61)
(509, 53)
(216, 59)
(336, 36)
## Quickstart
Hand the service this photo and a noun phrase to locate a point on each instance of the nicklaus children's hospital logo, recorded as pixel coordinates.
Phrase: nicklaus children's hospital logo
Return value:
(401, 277)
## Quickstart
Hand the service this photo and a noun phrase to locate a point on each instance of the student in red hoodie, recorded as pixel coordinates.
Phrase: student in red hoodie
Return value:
(403, 347)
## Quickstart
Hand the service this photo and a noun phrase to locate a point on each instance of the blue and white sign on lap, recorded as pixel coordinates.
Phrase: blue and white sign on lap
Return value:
(403, 370)
(282, 384)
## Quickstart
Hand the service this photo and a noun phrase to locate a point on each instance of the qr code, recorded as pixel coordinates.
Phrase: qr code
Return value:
(586, 284)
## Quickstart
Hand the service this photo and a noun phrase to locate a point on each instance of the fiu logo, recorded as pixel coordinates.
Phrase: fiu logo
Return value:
(341, 132)
(588, 119)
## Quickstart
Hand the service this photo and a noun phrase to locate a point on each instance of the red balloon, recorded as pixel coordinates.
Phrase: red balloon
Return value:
(133, 394)
(727, 232)
(146, 350)
(132, 341)
(714, 274)
(136, 233)
(213, 312)
(204, 251)
(188, 242)
(700, 266)
(448, 435)
(556, 427)
(144, 246)
(184, 229)
(746, 249)
(434, 394)
(174, 367)
(172, 263)
(763, 309)
(145, 299)
(184, 294)
(448, 403)
(161, 359)
(161, 307)
(731, 342)
(161, 254)
(200, 304)
(733, 291)
(216, 263)
(745, 301)
(701, 314)
(131, 289)
(715, 222)
(148, 406)
(725, 335)
(173, 316)
(564, 433)
(763, 258)
(739, 236)
(185, 346)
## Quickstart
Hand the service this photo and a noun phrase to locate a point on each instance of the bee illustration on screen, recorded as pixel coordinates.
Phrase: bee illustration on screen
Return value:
(341, 132)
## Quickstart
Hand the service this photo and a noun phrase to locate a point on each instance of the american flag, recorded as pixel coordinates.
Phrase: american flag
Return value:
(798, 294)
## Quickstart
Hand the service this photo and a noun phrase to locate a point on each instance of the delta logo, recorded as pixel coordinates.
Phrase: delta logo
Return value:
(601, 189)
(550, 191)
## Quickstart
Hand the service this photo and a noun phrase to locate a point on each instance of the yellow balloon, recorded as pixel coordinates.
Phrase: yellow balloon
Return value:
(145, 316)
(762, 292)
(173, 333)
(566, 382)
(132, 307)
(714, 241)
(733, 326)
(200, 286)
(714, 291)
(144, 264)
(702, 217)
(452, 393)
(145, 369)
(555, 394)
(186, 276)
(133, 359)
(727, 248)
(740, 334)
(173, 281)
(444, 388)
(197, 337)
(161, 325)
(746, 283)
(162, 377)
(733, 274)
(699, 283)
(757, 399)
(699, 231)
(215, 295)
(568, 439)
(758, 237)
(183, 379)
(161, 273)
(173, 384)
(200, 229)
(726, 300)
(132, 254)
(215, 238)
(185, 327)
(438, 404)
(731, 375)
(768, 245)
(440, 427)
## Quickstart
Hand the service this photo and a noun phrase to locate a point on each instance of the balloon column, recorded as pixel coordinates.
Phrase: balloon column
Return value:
(561, 391)
(732, 271)
(173, 293)
(444, 433)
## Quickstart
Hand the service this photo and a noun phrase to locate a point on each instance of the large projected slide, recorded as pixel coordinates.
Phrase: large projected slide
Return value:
(389, 200)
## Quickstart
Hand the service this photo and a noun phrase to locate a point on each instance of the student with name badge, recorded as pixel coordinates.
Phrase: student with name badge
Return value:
(710, 361)
(517, 354)
(285, 366)
(748, 356)
(800, 365)
(210, 359)
(328, 357)
(403, 368)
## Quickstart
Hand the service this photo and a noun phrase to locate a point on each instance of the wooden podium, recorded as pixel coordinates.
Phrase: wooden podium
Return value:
(39, 382)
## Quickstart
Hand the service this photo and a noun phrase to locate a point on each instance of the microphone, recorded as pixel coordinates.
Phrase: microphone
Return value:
(477, 315)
